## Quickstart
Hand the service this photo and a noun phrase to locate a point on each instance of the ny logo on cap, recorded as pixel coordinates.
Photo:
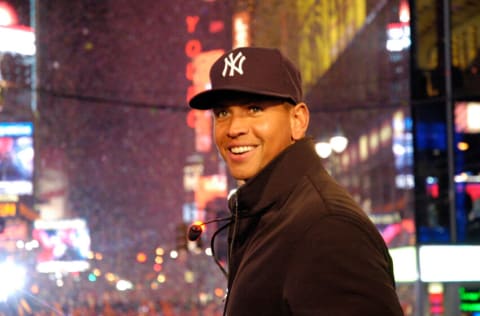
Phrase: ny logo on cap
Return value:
(235, 64)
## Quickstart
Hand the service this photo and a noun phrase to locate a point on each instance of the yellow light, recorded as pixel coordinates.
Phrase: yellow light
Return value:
(161, 278)
(363, 147)
(141, 257)
(201, 224)
(8, 209)
(110, 277)
(159, 251)
(219, 292)
(25, 306)
(189, 276)
(435, 288)
(463, 146)
(159, 260)
(34, 289)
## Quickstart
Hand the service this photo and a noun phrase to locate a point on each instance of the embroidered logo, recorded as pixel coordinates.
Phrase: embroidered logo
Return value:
(233, 64)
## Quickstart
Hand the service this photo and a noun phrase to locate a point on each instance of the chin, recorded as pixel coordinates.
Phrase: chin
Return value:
(242, 175)
(240, 178)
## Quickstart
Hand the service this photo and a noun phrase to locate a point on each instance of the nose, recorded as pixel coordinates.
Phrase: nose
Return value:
(238, 126)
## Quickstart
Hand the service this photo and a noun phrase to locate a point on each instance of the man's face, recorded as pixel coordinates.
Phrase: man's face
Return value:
(249, 134)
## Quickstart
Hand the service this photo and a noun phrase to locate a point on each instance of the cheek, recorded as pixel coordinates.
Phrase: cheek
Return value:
(218, 136)
(275, 130)
(275, 136)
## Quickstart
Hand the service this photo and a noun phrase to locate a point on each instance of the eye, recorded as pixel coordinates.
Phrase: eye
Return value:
(220, 112)
(255, 108)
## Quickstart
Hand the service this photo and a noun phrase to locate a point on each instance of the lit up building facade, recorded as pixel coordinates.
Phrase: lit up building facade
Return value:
(445, 103)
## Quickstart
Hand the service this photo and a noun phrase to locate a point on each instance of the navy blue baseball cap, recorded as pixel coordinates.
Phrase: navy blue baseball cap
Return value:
(253, 70)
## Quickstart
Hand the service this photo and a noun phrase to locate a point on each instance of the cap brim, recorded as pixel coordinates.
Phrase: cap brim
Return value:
(210, 99)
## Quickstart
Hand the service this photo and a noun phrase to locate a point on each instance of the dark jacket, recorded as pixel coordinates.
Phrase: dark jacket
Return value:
(302, 246)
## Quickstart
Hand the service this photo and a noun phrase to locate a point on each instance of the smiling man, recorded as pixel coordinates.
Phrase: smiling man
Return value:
(298, 243)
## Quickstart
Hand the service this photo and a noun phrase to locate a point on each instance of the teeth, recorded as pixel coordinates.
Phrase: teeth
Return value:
(241, 149)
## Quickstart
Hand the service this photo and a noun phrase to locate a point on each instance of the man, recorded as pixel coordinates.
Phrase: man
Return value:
(298, 243)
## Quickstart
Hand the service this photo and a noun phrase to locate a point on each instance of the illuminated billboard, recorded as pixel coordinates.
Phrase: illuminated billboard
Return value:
(64, 245)
(17, 39)
(16, 158)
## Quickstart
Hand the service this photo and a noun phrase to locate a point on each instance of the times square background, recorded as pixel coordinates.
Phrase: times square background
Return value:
(121, 165)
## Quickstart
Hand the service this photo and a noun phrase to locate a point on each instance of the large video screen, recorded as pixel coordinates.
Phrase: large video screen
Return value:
(16, 158)
(64, 245)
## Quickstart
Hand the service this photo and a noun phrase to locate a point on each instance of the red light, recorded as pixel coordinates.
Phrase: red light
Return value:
(404, 12)
(216, 26)
(8, 16)
(436, 303)
(193, 48)
(191, 22)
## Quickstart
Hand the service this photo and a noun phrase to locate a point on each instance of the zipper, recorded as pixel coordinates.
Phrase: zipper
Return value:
(234, 209)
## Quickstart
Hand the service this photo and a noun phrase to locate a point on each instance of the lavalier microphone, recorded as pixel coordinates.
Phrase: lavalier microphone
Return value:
(196, 229)
(194, 232)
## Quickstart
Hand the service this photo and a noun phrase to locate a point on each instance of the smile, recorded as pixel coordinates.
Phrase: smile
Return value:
(241, 149)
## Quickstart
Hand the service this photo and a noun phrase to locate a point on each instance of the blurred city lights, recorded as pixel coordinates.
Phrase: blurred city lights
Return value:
(174, 254)
(159, 260)
(449, 263)
(219, 292)
(35, 289)
(189, 276)
(8, 16)
(59, 282)
(18, 39)
(12, 279)
(161, 278)
(124, 285)
(323, 149)
(203, 297)
(338, 143)
(92, 277)
(141, 257)
(110, 277)
(335, 144)
(463, 146)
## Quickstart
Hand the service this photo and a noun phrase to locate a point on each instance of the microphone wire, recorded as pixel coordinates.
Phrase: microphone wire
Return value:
(234, 218)
(212, 246)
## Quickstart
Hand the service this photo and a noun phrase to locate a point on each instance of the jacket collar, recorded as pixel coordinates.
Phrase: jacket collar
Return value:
(273, 183)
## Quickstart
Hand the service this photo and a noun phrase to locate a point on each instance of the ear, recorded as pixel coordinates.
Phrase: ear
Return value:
(299, 120)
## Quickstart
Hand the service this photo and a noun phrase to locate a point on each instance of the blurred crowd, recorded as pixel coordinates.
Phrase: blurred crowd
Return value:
(144, 308)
